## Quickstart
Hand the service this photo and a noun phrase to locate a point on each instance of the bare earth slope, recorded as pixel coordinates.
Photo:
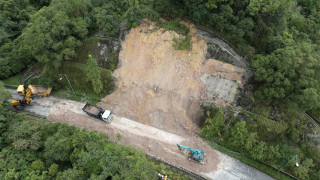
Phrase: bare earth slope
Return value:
(163, 87)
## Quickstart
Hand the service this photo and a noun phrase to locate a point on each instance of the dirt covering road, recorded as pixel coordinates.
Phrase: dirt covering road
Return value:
(150, 140)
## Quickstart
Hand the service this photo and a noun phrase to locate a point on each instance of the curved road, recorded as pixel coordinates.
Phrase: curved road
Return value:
(60, 110)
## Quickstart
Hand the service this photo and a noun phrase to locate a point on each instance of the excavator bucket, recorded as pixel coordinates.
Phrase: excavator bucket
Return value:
(15, 102)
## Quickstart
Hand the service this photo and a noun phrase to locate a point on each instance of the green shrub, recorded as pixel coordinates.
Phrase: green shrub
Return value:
(182, 43)
(53, 169)
(119, 137)
(174, 26)
(77, 76)
(112, 61)
(88, 46)
(213, 126)
(238, 134)
(44, 81)
(94, 74)
(13, 80)
(37, 165)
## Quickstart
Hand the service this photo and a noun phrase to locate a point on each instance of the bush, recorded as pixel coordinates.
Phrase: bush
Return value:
(94, 74)
(37, 165)
(77, 76)
(238, 135)
(182, 43)
(44, 81)
(213, 126)
(175, 26)
(112, 61)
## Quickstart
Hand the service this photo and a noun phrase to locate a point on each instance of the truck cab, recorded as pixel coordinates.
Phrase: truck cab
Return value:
(107, 116)
(20, 90)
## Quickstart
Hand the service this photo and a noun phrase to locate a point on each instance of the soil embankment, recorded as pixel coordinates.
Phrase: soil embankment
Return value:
(163, 87)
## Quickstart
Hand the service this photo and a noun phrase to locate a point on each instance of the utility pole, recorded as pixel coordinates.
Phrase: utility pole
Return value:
(297, 164)
(68, 82)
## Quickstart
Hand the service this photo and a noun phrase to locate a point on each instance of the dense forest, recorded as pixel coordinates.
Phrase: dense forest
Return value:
(280, 38)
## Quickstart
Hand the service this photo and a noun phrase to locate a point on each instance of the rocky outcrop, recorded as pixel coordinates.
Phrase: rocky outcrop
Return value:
(220, 50)
(226, 87)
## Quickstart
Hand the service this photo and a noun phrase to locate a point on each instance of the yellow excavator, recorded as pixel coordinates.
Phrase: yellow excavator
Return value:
(26, 98)
(22, 101)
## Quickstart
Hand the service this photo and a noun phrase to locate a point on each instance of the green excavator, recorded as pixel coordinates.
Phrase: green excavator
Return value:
(195, 154)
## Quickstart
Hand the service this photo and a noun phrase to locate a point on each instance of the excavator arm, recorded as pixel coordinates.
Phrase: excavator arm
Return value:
(195, 151)
(29, 77)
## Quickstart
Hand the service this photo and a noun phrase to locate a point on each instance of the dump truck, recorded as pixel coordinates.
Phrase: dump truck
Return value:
(35, 90)
(97, 112)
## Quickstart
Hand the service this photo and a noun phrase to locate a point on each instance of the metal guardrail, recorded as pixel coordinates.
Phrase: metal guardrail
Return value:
(178, 169)
(309, 117)
(10, 86)
(261, 162)
(312, 117)
(312, 120)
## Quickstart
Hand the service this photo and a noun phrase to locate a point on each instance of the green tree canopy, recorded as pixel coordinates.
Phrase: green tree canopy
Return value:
(59, 151)
(93, 74)
(213, 126)
(289, 71)
(238, 134)
(55, 31)
(4, 95)
(14, 17)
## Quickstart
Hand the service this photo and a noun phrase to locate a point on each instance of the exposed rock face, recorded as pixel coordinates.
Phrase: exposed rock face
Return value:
(110, 47)
(163, 87)
(218, 87)
(220, 50)
(105, 50)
